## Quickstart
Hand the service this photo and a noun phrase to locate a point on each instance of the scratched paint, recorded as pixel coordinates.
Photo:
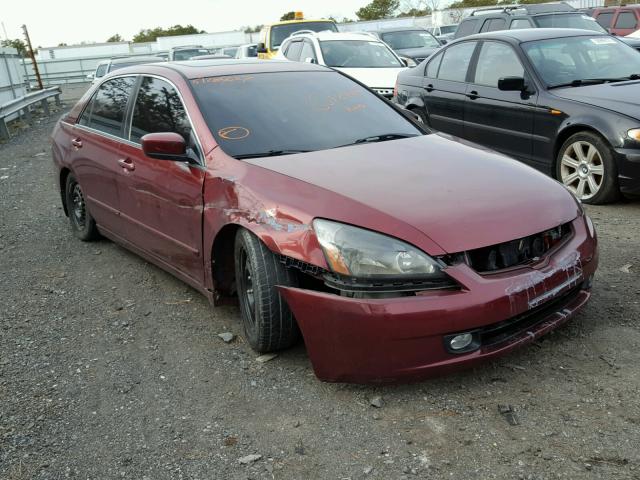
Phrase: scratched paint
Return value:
(534, 283)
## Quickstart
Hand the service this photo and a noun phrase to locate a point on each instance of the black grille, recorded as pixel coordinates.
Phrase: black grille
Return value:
(517, 252)
(503, 331)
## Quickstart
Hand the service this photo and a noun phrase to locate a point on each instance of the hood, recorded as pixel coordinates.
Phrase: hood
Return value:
(374, 77)
(621, 97)
(457, 194)
(422, 52)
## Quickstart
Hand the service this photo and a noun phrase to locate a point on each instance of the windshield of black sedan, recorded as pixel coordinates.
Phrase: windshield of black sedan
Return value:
(358, 54)
(561, 61)
(410, 39)
(293, 111)
(568, 20)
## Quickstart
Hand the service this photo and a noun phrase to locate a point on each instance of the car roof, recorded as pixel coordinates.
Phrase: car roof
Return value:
(532, 34)
(400, 29)
(192, 69)
(347, 36)
(525, 9)
(146, 59)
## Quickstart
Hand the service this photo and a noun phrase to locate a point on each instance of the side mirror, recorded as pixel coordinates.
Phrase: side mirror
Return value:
(310, 60)
(511, 84)
(261, 48)
(91, 76)
(165, 146)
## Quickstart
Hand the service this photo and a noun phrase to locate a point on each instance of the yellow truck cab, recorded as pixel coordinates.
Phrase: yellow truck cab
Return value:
(272, 36)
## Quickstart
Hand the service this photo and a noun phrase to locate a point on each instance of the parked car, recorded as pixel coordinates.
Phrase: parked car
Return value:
(116, 63)
(398, 254)
(360, 55)
(444, 33)
(544, 15)
(618, 20)
(186, 52)
(272, 36)
(412, 44)
(565, 101)
(249, 50)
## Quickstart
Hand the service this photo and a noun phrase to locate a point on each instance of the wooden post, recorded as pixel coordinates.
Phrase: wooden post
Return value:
(32, 56)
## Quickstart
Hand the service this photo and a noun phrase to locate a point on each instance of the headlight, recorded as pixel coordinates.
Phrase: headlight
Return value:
(634, 133)
(362, 253)
(409, 61)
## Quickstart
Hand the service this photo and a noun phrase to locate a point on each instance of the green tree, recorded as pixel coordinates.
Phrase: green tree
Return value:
(17, 44)
(378, 9)
(288, 16)
(115, 38)
(150, 34)
(250, 29)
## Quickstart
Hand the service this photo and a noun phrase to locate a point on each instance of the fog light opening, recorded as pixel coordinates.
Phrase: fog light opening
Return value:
(461, 342)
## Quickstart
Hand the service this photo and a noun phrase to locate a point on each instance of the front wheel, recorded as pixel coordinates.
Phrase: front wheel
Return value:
(82, 223)
(586, 166)
(268, 322)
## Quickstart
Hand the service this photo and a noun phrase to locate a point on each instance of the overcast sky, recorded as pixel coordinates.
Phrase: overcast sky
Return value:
(51, 22)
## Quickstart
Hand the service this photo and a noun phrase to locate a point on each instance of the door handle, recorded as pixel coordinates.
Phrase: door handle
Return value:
(429, 87)
(472, 94)
(127, 164)
(76, 142)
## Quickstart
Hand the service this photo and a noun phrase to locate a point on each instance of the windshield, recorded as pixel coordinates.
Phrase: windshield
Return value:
(280, 32)
(410, 39)
(293, 111)
(358, 54)
(568, 20)
(447, 29)
(187, 54)
(564, 60)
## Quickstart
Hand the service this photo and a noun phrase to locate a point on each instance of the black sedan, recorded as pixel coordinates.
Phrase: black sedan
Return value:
(564, 101)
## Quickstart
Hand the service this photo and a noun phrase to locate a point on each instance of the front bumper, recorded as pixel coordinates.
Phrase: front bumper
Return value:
(628, 170)
(402, 339)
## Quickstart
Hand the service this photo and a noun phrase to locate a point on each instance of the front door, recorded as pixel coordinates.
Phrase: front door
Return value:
(95, 142)
(445, 88)
(161, 200)
(502, 120)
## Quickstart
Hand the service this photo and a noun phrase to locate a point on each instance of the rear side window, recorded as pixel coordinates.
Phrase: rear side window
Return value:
(497, 60)
(467, 27)
(432, 66)
(605, 19)
(520, 23)
(626, 20)
(108, 107)
(158, 108)
(493, 24)
(455, 62)
(293, 52)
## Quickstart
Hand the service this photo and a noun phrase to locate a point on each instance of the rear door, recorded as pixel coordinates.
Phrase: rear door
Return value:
(495, 118)
(161, 200)
(96, 141)
(445, 87)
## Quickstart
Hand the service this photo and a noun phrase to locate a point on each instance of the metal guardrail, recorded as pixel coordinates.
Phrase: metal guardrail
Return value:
(22, 106)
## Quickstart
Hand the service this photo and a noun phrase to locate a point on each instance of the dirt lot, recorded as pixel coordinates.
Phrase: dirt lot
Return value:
(111, 368)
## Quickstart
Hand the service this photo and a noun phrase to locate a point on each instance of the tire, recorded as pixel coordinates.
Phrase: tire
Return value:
(585, 164)
(82, 223)
(268, 322)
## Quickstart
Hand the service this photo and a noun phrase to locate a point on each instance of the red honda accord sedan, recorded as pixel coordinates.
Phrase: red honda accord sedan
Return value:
(398, 253)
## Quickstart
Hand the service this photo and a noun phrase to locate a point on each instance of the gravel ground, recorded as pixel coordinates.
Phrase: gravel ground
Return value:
(111, 368)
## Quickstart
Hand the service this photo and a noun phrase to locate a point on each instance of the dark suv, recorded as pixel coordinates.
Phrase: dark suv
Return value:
(548, 15)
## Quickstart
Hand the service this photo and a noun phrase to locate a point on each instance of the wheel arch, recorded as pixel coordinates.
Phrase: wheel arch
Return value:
(64, 174)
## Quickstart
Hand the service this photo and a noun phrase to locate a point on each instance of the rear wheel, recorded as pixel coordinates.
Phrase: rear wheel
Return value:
(268, 322)
(586, 166)
(82, 223)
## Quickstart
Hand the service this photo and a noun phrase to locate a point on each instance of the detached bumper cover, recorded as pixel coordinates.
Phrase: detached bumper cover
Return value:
(402, 339)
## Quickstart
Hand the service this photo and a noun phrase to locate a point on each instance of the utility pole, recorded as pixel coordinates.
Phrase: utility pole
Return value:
(33, 57)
